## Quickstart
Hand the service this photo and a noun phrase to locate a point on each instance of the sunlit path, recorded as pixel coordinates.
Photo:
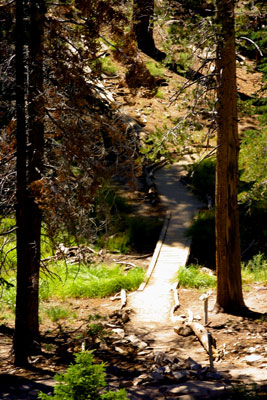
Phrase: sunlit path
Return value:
(153, 304)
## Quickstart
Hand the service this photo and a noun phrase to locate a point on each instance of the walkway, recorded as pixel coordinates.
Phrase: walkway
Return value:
(154, 302)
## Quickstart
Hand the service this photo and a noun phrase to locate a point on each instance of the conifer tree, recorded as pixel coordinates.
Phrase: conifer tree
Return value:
(228, 259)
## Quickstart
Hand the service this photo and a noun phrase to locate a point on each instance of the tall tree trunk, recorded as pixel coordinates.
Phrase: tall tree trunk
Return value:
(26, 337)
(142, 27)
(228, 264)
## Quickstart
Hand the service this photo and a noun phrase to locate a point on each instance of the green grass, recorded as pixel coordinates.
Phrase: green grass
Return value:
(159, 94)
(193, 277)
(255, 270)
(107, 66)
(90, 281)
(155, 68)
(57, 313)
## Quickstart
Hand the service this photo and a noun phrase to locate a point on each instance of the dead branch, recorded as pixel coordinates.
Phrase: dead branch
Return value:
(123, 298)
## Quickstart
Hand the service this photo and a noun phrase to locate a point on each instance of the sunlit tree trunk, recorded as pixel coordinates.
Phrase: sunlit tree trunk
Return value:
(228, 264)
(29, 166)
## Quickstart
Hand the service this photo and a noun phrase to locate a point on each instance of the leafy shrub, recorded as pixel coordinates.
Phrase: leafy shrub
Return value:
(83, 380)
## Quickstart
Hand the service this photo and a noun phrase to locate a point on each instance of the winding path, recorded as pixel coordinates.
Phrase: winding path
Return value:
(153, 304)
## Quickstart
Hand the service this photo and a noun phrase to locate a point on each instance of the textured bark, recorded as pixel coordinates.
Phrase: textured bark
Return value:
(142, 27)
(29, 166)
(228, 264)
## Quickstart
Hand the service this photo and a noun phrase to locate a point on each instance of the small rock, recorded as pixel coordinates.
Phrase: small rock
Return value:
(25, 388)
(183, 330)
(160, 358)
(118, 332)
(179, 375)
(192, 364)
(125, 317)
(141, 379)
(33, 392)
(126, 384)
(251, 349)
(156, 376)
(133, 339)
(213, 376)
(119, 350)
(253, 358)
(141, 345)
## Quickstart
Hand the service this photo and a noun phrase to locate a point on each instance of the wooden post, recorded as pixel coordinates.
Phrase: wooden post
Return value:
(205, 298)
(206, 301)
(210, 350)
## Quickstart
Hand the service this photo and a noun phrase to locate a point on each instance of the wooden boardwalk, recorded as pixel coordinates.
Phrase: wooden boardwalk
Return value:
(153, 302)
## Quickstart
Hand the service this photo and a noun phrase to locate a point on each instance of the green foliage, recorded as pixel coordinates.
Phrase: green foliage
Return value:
(8, 295)
(56, 313)
(83, 380)
(159, 94)
(202, 178)
(107, 66)
(155, 69)
(117, 243)
(253, 165)
(90, 281)
(132, 233)
(193, 277)
(255, 270)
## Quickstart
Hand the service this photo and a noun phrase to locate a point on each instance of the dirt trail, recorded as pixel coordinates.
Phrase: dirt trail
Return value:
(152, 306)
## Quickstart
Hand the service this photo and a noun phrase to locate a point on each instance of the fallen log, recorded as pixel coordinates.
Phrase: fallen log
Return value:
(203, 335)
(123, 298)
(176, 305)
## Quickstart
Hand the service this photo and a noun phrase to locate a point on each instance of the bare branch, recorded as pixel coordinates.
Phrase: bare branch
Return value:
(255, 44)
(8, 232)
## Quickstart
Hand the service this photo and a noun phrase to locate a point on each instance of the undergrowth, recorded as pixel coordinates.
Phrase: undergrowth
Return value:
(83, 380)
(90, 281)
(193, 277)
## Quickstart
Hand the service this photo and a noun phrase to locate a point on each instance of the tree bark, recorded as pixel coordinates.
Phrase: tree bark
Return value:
(29, 167)
(142, 27)
(228, 263)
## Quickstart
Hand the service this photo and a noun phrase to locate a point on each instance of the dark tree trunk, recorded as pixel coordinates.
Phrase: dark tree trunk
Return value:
(29, 167)
(228, 264)
(142, 27)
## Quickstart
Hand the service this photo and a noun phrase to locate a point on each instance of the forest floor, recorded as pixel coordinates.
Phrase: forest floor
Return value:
(242, 341)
